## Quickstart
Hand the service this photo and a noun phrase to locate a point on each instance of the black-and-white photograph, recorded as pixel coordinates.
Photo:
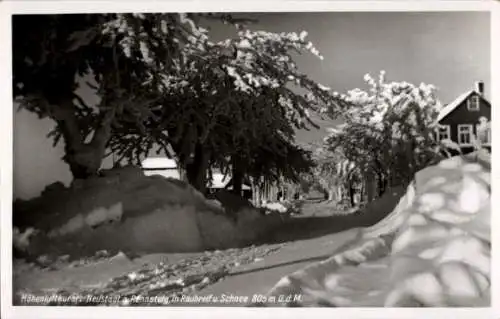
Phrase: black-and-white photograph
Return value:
(252, 159)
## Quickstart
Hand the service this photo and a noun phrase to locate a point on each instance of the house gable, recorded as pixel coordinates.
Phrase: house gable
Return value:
(458, 117)
(459, 105)
(458, 112)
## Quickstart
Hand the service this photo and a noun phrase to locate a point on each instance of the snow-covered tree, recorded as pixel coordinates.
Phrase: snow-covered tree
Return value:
(483, 135)
(163, 82)
(389, 130)
(120, 51)
(236, 106)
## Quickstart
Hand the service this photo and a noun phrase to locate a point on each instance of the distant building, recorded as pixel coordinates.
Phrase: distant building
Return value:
(168, 168)
(219, 182)
(459, 120)
(160, 166)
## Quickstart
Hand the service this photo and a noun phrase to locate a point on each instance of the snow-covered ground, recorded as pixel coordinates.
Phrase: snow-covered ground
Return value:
(433, 249)
(442, 222)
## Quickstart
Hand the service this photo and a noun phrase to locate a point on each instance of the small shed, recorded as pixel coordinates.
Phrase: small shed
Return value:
(219, 181)
(163, 166)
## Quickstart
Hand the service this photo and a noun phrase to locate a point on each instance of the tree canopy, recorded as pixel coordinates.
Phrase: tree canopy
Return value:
(163, 82)
(118, 51)
(389, 129)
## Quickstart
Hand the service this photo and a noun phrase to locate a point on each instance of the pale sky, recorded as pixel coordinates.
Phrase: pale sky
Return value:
(450, 50)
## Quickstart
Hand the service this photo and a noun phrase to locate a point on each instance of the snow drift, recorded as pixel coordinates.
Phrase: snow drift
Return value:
(432, 250)
(124, 210)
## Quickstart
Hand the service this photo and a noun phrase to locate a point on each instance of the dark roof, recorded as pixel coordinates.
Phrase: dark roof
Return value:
(448, 108)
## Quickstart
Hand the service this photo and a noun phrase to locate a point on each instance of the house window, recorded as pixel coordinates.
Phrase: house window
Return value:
(465, 134)
(473, 103)
(484, 137)
(443, 132)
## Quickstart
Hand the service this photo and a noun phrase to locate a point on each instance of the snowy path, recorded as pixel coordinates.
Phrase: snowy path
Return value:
(255, 279)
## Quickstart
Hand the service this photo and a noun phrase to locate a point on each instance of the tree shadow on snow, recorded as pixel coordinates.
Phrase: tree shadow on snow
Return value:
(341, 248)
(288, 263)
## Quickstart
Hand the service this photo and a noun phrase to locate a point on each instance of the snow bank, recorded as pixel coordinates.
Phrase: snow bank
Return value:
(432, 250)
(124, 210)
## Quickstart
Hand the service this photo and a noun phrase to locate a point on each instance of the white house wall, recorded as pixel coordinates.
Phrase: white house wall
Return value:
(172, 173)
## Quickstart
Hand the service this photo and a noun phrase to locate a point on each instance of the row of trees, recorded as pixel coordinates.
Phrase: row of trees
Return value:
(388, 135)
(389, 132)
(383, 130)
(163, 83)
(231, 105)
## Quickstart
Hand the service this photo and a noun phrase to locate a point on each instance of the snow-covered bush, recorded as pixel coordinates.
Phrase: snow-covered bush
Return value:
(277, 207)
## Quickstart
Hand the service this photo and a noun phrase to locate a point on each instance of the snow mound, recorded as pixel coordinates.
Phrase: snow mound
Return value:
(125, 210)
(432, 250)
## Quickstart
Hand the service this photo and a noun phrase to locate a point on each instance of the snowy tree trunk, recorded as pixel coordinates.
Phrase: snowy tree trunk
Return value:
(352, 194)
(331, 193)
(237, 178)
(84, 159)
(382, 184)
(196, 169)
(370, 187)
(254, 192)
